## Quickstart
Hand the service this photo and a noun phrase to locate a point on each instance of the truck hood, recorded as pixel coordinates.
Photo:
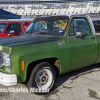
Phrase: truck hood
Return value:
(21, 40)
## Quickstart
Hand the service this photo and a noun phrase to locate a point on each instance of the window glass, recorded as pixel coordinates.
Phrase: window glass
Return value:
(97, 26)
(2, 27)
(98, 22)
(15, 27)
(49, 26)
(79, 25)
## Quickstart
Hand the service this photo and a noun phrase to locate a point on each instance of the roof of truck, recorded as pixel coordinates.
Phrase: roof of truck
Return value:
(69, 15)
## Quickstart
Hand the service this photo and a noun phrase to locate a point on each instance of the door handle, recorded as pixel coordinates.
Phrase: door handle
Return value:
(92, 37)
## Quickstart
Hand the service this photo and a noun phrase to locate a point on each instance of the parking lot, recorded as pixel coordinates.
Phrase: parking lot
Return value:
(83, 84)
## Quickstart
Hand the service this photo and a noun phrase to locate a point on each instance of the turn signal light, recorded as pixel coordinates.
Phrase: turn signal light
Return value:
(22, 66)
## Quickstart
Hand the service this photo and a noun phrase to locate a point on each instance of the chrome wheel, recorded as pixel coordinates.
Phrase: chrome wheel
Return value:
(44, 79)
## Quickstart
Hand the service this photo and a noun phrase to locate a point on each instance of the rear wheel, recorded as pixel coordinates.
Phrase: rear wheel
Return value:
(42, 78)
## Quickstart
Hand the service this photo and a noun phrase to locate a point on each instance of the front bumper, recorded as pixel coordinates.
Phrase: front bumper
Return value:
(8, 79)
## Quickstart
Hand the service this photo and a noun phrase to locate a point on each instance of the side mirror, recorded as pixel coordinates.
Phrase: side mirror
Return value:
(80, 34)
(9, 35)
(11, 32)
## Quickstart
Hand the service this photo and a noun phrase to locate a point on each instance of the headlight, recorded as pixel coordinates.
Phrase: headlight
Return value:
(6, 58)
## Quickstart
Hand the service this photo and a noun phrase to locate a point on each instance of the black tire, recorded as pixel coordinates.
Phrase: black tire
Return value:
(42, 78)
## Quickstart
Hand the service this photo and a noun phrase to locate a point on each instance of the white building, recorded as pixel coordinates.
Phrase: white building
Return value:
(30, 8)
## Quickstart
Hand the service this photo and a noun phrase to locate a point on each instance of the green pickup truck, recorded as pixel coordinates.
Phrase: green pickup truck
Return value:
(51, 45)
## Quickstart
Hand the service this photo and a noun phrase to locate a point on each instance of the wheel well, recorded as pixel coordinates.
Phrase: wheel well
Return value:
(53, 61)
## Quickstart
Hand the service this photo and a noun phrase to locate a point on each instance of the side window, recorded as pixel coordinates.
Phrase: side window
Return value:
(97, 26)
(79, 25)
(18, 28)
(15, 27)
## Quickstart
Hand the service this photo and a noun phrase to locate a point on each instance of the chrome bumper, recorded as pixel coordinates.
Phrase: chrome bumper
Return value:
(8, 79)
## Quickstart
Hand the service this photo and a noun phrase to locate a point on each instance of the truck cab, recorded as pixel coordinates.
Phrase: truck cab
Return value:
(11, 29)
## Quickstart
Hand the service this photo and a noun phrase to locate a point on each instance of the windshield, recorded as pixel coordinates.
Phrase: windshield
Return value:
(55, 25)
(2, 27)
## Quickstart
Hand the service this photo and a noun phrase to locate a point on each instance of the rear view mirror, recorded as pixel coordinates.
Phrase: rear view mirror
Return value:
(11, 32)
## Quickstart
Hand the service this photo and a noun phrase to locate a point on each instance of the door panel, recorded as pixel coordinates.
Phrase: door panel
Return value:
(82, 49)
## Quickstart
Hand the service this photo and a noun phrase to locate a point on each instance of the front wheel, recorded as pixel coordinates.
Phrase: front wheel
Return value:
(42, 78)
